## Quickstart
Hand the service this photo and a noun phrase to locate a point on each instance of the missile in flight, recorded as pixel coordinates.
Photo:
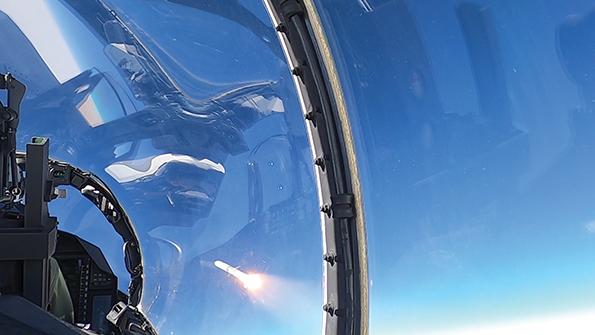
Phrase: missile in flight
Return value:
(250, 281)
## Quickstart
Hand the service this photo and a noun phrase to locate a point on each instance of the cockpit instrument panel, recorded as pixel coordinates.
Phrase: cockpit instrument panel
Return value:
(92, 285)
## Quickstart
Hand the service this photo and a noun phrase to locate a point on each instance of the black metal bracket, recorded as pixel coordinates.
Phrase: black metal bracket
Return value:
(342, 206)
(290, 8)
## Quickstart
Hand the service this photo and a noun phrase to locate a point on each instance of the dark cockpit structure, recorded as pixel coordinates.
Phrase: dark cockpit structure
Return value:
(51, 270)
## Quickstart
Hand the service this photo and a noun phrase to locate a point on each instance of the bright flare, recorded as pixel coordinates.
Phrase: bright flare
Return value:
(251, 282)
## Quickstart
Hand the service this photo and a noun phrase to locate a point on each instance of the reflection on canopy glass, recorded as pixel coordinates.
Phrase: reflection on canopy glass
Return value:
(194, 123)
(474, 127)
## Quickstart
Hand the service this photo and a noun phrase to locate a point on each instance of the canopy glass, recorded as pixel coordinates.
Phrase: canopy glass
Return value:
(189, 113)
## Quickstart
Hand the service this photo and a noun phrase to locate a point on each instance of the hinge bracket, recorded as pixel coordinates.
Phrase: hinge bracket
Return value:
(342, 206)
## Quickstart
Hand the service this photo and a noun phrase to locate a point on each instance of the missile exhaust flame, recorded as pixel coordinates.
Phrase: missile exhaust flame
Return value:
(269, 292)
(251, 281)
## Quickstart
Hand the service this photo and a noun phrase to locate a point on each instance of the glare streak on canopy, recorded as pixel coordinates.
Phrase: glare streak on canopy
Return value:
(133, 170)
(50, 42)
